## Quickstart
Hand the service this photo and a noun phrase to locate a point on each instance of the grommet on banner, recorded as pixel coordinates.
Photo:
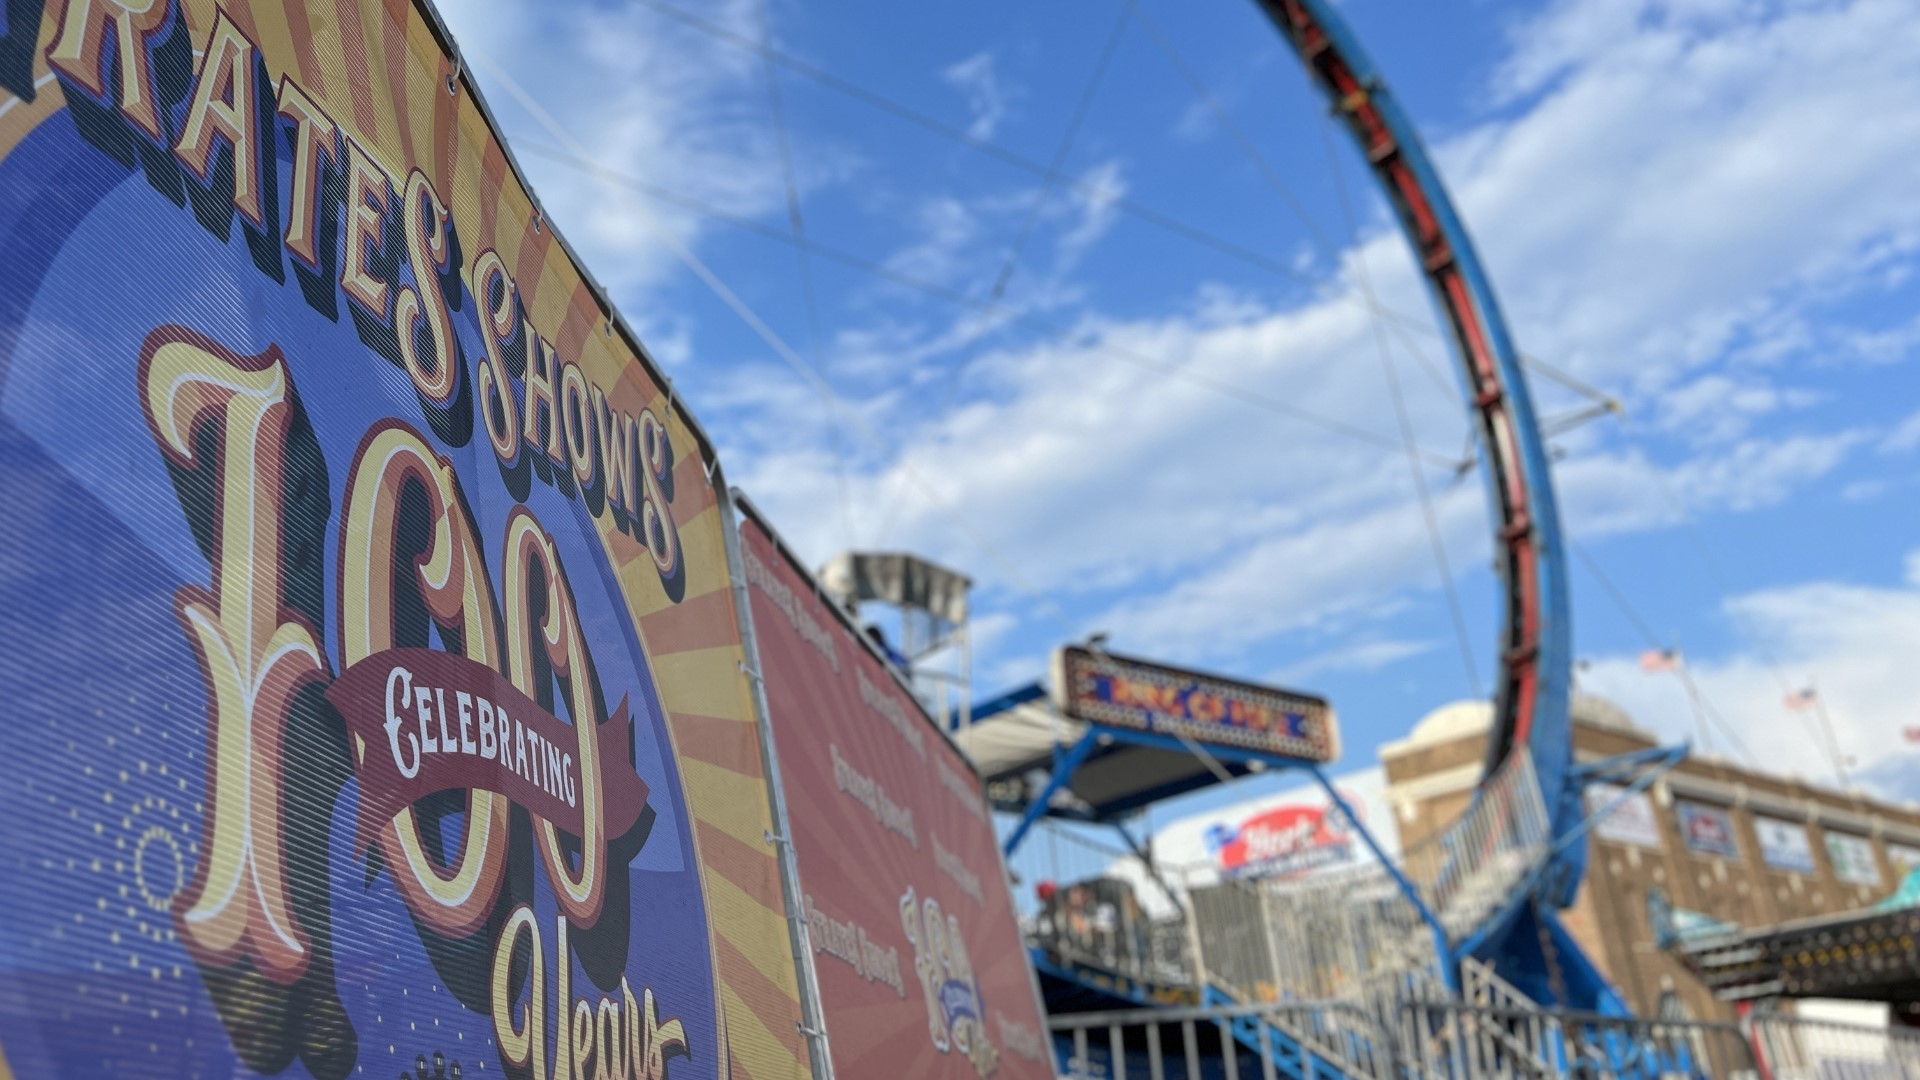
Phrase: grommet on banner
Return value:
(750, 672)
(453, 77)
(539, 215)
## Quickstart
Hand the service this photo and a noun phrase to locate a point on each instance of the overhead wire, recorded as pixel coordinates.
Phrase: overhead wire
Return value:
(779, 345)
(1233, 129)
(1013, 314)
(1385, 317)
(1014, 252)
(1126, 205)
(1251, 151)
(1821, 726)
(1436, 540)
(1363, 280)
(806, 245)
(1060, 152)
(1704, 710)
(804, 259)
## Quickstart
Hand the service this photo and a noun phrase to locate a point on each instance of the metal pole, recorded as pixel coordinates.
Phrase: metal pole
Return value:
(1443, 951)
(813, 1023)
(1833, 744)
(1063, 769)
(1193, 946)
(966, 675)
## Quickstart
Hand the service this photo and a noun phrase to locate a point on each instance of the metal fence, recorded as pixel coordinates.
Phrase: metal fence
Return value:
(1330, 936)
(1453, 1039)
(1432, 1039)
(1795, 1048)
(1320, 938)
(1468, 870)
(1099, 905)
(1437, 1039)
(1242, 1042)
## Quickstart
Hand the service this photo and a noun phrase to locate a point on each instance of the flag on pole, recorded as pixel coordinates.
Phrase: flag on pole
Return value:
(1660, 660)
(1800, 700)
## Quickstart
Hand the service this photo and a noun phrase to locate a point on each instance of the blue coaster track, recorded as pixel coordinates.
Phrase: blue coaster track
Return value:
(1535, 660)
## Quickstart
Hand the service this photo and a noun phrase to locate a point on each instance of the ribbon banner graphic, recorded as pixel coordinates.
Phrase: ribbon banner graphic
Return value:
(425, 721)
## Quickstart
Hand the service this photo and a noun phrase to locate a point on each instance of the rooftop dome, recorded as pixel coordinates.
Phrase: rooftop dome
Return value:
(1596, 711)
(1452, 721)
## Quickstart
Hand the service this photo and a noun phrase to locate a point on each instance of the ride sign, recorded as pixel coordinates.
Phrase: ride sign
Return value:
(368, 620)
(918, 953)
(1121, 692)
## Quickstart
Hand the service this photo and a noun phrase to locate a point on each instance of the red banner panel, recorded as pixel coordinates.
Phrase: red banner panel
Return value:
(921, 968)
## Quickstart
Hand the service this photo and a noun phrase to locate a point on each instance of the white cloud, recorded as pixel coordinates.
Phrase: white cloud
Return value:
(1367, 655)
(1675, 180)
(1225, 524)
(1096, 200)
(1666, 198)
(1718, 407)
(1855, 642)
(988, 96)
(949, 227)
(1886, 346)
(1905, 435)
(645, 96)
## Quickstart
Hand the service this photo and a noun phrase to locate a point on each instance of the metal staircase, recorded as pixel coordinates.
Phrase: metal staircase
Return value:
(1310, 977)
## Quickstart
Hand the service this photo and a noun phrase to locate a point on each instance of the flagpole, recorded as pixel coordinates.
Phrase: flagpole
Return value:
(1826, 728)
(1693, 695)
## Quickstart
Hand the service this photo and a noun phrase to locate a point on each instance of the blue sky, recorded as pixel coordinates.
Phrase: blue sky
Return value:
(1709, 209)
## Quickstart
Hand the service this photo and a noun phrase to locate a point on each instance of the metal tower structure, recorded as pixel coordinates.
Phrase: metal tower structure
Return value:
(928, 638)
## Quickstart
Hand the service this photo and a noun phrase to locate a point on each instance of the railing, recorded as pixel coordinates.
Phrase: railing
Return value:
(1242, 1041)
(1335, 975)
(1452, 1039)
(1331, 936)
(1481, 985)
(1407, 1025)
(1444, 1041)
(1794, 1048)
(1470, 869)
(1318, 938)
(1102, 908)
(1334, 936)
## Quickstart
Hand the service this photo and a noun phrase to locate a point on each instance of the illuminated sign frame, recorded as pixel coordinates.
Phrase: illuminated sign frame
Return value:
(1122, 692)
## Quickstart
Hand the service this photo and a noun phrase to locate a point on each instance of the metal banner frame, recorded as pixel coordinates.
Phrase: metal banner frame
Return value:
(737, 504)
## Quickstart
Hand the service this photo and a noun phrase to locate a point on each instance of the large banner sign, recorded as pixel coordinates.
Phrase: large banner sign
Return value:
(1708, 830)
(1293, 833)
(1852, 859)
(1784, 844)
(1122, 692)
(1629, 817)
(917, 950)
(372, 674)
(1285, 841)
